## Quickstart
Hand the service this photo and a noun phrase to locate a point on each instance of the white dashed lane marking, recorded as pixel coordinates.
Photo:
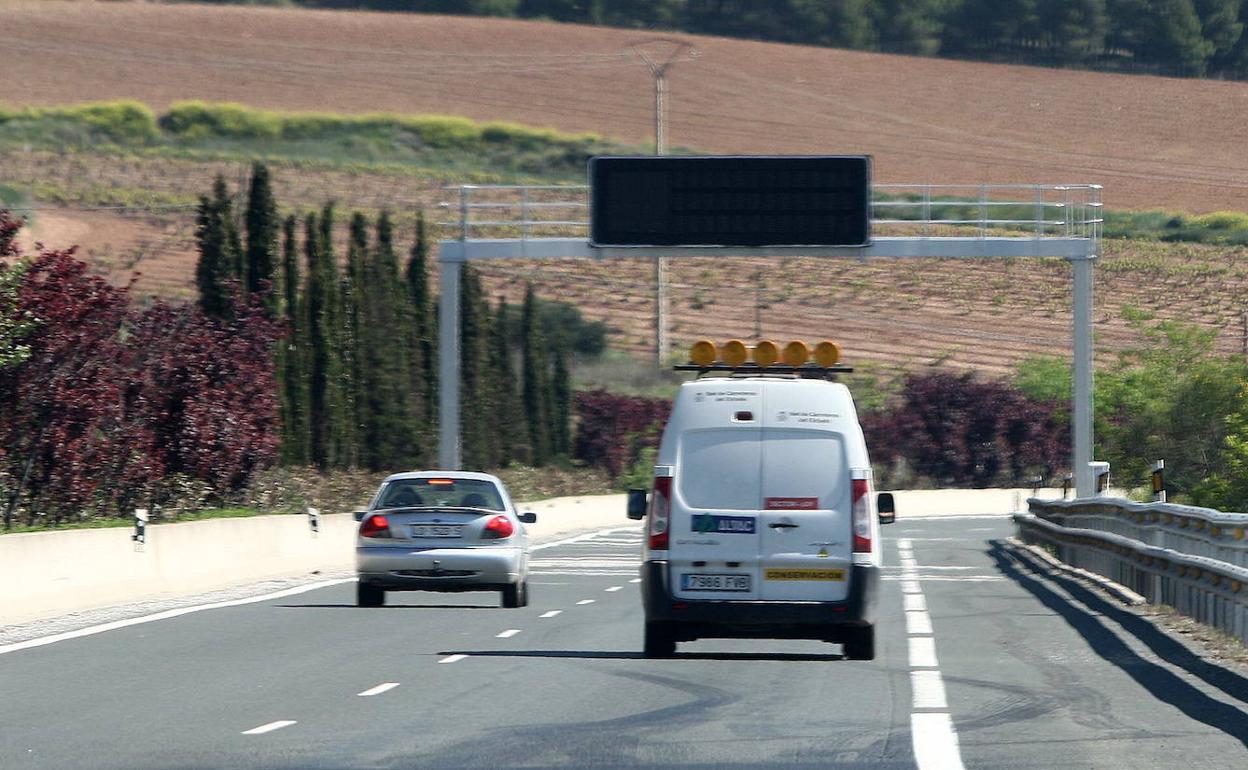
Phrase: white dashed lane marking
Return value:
(922, 652)
(586, 601)
(614, 588)
(550, 614)
(378, 690)
(928, 689)
(508, 633)
(635, 580)
(452, 658)
(913, 601)
(270, 727)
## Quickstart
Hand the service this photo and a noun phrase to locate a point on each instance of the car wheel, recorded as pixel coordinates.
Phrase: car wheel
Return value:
(524, 594)
(660, 642)
(513, 596)
(368, 595)
(861, 644)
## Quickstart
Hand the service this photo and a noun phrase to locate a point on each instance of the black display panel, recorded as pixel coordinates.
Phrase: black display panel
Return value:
(730, 200)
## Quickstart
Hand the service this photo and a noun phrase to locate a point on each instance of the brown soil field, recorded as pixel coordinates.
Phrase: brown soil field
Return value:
(1153, 142)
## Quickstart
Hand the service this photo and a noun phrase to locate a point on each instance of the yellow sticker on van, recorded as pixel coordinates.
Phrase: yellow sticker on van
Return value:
(804, 574)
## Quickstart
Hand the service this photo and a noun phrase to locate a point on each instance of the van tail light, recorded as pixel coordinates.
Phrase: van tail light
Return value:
(660, 507)
(861, 491)
(498, 528)
(375, 526)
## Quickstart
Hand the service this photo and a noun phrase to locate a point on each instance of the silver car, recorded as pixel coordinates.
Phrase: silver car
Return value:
(442, 531)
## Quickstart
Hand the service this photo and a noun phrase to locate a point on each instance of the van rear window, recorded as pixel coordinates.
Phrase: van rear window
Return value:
(721, 469)
(805, 464)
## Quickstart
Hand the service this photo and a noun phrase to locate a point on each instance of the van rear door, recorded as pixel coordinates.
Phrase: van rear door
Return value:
(714, 535)
(806, 539)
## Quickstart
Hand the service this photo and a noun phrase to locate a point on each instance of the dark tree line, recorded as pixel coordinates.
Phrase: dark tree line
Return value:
(357, 370)
(1178, 37)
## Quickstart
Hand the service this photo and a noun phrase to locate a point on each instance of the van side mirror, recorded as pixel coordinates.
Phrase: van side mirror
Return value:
(886, 507)
(637, 504)
(359, 515)
(528, 518)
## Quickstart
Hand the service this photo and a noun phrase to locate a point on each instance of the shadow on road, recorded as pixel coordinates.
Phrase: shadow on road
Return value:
(636, 655)
(390, 607)
(1159, 681)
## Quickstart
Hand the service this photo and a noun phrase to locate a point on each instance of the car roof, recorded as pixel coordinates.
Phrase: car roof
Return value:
(473, 475)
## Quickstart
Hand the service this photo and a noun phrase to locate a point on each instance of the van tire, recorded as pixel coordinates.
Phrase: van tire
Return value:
(860, 644)
(660, 642)
(368, 595)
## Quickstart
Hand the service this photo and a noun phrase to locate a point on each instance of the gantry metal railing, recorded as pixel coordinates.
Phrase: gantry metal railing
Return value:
(899, 210)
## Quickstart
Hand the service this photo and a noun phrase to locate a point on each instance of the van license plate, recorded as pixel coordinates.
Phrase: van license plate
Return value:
(437, 530)
(715, 582)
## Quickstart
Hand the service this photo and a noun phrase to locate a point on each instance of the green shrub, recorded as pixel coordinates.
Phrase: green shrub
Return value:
(201, 120)
(122, 121)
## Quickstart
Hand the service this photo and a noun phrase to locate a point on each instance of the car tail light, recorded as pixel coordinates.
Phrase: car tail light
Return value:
(861, 491)
(498, 527)
(375, 526)
(660, 506)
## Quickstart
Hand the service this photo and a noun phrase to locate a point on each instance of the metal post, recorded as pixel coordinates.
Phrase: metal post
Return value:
(1081, 372)
(448, 367)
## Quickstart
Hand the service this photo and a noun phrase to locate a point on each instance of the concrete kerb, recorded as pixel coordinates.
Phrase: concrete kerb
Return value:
(49, 574)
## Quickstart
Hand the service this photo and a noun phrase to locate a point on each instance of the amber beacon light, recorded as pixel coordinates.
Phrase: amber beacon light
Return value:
(795, 356)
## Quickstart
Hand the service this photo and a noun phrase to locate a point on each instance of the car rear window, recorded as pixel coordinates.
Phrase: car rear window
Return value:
(720, 469)
(441, 493)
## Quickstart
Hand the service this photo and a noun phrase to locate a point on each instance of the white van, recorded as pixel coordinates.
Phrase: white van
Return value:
(762, 522)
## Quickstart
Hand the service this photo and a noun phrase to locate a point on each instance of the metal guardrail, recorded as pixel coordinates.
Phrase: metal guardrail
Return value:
(917, 210)
(1192, 559)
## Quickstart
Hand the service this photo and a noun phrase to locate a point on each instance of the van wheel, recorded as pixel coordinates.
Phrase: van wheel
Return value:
(514, 596)
(861, 644)
(659, 642)
(368, 595)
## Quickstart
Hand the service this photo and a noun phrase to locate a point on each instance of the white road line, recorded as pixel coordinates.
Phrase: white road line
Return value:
(614, 588)
(910, 587)
(914, 601)
(452, 658)
(583, 538)
(918, 623)
(508, 633)
(586, 601)
(166, 615)
(378, 690)
(928, 689)
(922, 652)
(908, 577)
(550, 614)
(635, 580)
(904, 543)
(909, 519)
(270, 727)
(935, 742)
(909, 563)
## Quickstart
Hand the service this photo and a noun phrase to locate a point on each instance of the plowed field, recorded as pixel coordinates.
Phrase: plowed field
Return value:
(1153, 142)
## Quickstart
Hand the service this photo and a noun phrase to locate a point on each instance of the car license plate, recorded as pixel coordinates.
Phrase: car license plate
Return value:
(715, 582)
(437, 530)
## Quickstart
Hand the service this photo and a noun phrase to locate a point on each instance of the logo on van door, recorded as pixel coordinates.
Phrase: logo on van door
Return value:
(706, 523)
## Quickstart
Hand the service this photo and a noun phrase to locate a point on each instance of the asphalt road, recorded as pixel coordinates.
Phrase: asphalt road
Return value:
(983, 662)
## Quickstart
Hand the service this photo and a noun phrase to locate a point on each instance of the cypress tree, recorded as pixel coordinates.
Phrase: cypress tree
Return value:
(262, 226)
(290, 370)
(473, 398)
(423, 366)
(504, 381)
(324, 363)
(351, 347)
(217, 242)
(561, 398)
(535, 391)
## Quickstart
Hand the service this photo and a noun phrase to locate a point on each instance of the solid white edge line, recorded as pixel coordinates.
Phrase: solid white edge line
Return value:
(378, 690)
(452, 658)
(507, 634)
(166, 615)
(550, 614)
(935, 742)
(270, 727)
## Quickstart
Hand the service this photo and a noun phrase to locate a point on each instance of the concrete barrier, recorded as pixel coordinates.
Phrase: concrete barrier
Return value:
(44, 574)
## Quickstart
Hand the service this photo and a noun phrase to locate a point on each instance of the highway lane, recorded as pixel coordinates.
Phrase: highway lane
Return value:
(1028, 671)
